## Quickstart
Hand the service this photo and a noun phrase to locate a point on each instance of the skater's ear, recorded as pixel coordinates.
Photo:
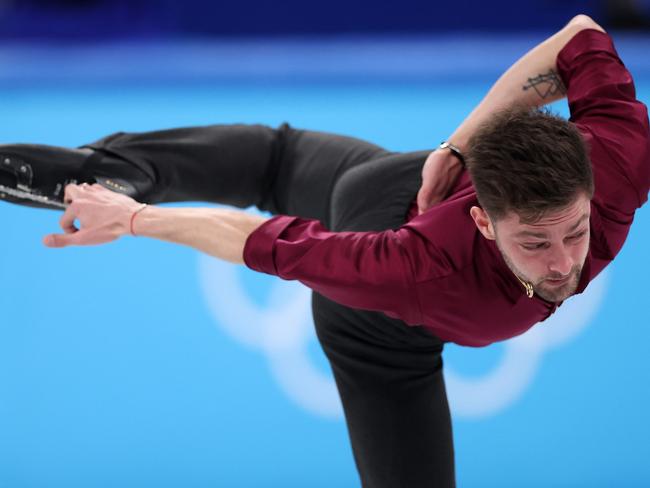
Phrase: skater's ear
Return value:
(483, 222)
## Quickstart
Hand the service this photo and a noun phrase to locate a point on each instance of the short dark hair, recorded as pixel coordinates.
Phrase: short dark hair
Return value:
(529, 161)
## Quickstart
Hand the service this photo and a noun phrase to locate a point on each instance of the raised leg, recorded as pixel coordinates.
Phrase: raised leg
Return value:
(282, 170)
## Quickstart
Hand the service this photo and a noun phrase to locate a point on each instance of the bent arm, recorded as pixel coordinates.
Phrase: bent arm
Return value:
(532, 81)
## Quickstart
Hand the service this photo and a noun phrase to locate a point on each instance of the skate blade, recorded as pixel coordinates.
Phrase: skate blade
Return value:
(25, 195)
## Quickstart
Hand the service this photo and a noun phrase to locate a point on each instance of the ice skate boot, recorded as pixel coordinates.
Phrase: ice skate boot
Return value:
(36, 175)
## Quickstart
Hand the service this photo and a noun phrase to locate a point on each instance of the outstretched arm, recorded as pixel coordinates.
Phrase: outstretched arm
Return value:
(531, 82)
(369, 270)
(105, 216)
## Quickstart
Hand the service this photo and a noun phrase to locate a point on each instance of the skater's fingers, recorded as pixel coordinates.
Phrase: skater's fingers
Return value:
(71, 192)
(424, 197)
(92, 187)
(440, 172)
(83, 237)
(62, 240)
(67, 219)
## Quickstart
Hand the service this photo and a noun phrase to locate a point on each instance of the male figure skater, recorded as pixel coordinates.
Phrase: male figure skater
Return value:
(544, 206)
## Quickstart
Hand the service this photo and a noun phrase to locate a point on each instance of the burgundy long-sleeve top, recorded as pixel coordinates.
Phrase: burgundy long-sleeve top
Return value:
(437, 270)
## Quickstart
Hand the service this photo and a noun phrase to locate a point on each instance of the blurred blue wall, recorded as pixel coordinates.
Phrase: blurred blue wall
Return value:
(138, 18)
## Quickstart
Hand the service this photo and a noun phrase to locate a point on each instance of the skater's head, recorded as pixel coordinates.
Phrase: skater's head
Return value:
(534, 183)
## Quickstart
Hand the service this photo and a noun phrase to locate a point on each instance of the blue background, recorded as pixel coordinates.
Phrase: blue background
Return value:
(114, 368)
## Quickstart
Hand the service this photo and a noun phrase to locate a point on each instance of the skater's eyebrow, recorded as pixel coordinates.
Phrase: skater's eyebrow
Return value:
(542, 235)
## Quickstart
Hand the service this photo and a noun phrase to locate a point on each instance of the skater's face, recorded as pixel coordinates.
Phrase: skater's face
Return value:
(548, 253)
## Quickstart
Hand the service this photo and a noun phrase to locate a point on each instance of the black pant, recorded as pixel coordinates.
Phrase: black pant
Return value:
(389, 375)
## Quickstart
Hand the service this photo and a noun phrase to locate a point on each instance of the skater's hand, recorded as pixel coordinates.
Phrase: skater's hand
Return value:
(439, 174)
(104, 216)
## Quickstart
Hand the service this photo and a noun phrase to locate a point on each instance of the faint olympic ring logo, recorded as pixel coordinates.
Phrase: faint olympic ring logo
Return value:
(281, 328)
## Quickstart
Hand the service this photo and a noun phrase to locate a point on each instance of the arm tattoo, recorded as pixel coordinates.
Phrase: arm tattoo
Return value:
(547, 85)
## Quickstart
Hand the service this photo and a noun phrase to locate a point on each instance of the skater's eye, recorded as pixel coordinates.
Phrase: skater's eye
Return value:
(577, 236)
(534, 246)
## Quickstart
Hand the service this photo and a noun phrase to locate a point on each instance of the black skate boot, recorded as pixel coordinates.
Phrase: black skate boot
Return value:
(36, 175)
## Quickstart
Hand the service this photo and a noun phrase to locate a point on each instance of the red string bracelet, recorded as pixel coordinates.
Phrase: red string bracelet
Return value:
(144, 205)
